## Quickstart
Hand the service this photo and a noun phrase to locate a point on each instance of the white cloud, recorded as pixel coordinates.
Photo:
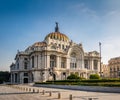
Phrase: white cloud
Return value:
(111, 41)
(110, 29)
(81, 8)
(110, 48)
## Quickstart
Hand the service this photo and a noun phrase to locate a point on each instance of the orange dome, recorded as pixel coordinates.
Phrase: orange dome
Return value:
(57, 36)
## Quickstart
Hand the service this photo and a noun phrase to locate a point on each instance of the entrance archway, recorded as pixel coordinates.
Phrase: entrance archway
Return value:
(25, 80)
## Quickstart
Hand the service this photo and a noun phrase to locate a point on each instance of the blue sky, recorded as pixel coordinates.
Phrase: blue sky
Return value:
(23, 22)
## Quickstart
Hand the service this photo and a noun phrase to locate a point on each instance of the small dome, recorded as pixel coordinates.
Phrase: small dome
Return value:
(57, 36)
(39, 44)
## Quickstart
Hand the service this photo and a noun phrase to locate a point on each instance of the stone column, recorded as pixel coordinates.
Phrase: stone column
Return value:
(40, 61)
(14, 78)
(48, 61)
(21, 77)
(98, 67)
(82, 63)
(35, 61)
(30, 63)
(68, 63)
(88, 63)
(92, 66)
(45, 61)
(58, 62)
(11, 77)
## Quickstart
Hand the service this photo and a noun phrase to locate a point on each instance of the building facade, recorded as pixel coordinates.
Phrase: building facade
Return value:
(114, 67)
(105, 71)
(55, 58)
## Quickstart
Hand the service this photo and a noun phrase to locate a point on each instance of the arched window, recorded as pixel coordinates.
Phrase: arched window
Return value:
(73, 61)
(53, 47)
(52, 61)
(63, 62)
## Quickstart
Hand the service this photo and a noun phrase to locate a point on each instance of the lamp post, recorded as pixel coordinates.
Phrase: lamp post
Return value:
(100, 59)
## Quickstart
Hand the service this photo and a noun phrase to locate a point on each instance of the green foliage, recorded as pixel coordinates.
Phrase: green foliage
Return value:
(73, 76)
(94, 76)
(93, 82)
(4, 77)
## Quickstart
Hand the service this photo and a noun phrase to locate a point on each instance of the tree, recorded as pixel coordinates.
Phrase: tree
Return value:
(4, 76)
(94, 76)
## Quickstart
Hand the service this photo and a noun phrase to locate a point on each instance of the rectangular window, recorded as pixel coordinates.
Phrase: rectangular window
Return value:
(86, 64)
(25, 59)
(25, 65)
(62, 64)
(117, 68)
(25, 74)
(114, 69)
(73, 65)
(32, 61)
(52, 64)
(119, 73)
(62, 46)
(17, 65)
(95, 64)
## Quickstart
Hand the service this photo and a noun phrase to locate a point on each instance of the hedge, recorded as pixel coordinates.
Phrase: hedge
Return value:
(100, 82)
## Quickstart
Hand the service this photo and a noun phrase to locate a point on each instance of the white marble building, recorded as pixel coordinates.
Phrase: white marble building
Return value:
(54, 58)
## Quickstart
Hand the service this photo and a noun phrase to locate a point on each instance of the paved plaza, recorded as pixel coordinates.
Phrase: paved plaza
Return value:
(22, 92)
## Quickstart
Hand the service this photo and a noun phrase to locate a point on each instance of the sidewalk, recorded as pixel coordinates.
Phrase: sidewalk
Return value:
(21, 92)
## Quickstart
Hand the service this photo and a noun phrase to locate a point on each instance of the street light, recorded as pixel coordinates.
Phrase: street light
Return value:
(100, 59)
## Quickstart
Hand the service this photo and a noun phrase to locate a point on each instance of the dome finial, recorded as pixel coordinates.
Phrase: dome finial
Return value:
(56, 28)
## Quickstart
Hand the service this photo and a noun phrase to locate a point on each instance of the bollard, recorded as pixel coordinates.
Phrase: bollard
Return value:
(89, 98)
(43, 92)
(33, 90)
(70, 97)
(26, 89)
(50, 93)
(59, 95)
(29, 89)
(38, 91)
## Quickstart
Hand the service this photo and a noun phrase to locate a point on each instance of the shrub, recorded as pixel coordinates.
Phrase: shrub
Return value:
(94, 76)
(73, 76)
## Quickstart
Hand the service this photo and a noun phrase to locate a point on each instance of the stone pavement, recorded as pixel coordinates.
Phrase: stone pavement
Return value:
(22, 92)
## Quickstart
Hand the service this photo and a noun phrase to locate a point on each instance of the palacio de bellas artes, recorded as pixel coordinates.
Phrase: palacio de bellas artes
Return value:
(55, 58)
